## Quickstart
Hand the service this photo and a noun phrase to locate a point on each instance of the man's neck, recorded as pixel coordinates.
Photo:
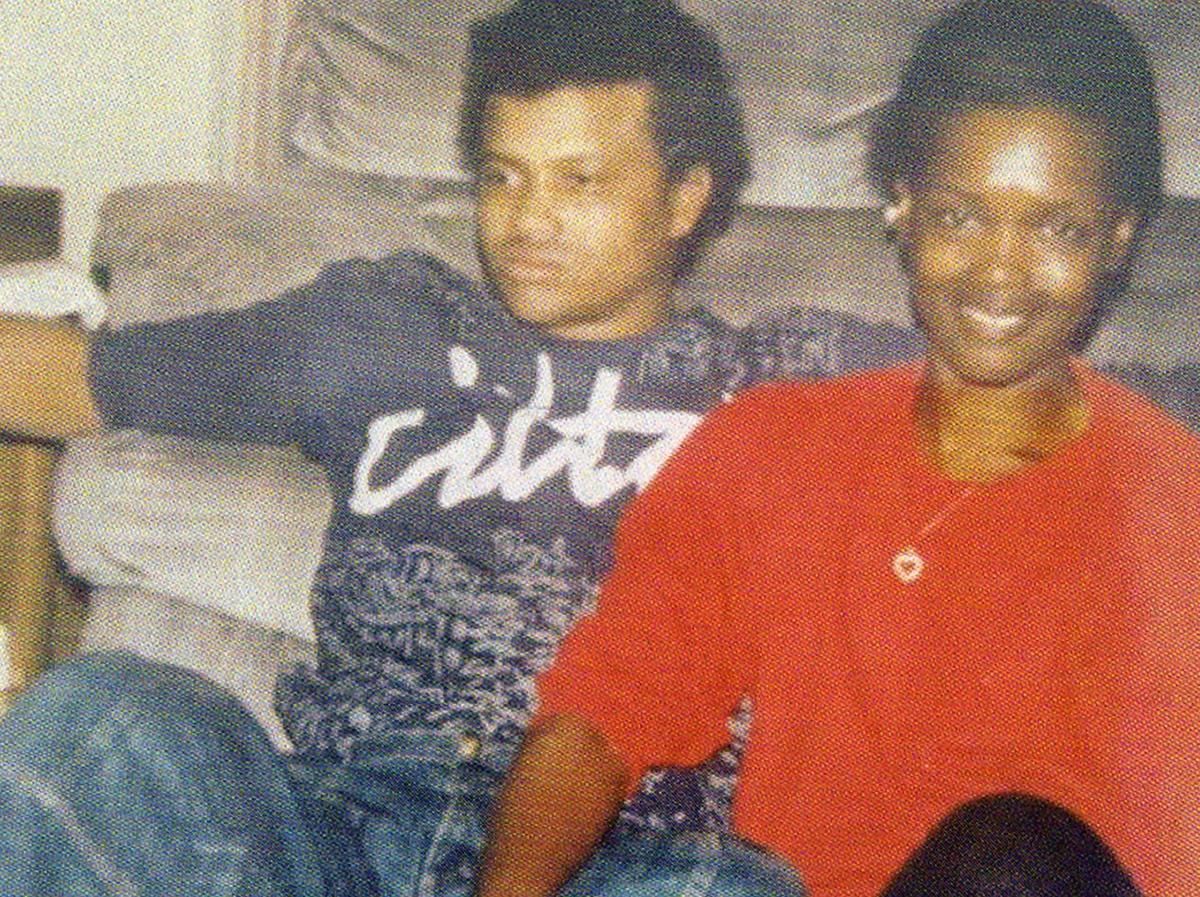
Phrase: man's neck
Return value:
(633, 319)
(625, 327)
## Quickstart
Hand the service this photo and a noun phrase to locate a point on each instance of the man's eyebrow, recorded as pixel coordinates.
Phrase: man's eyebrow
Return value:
(579, 158)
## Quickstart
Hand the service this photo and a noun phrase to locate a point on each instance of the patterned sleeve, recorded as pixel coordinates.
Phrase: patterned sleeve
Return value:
(809, 343)
(228, 375)
(249, 375)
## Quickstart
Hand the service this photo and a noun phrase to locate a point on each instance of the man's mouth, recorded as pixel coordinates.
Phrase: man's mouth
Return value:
(531, 266)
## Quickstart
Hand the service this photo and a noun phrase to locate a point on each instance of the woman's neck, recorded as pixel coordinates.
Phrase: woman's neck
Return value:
(981, 433)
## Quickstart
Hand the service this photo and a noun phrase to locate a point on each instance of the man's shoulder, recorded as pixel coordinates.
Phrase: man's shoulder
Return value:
(809, 341)
(814, 415)
(396, 284)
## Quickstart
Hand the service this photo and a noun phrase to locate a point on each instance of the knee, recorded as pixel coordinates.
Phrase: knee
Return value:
(92, 684)
(1012, 845)
(73, 702)
(84, 683)
(96, 674)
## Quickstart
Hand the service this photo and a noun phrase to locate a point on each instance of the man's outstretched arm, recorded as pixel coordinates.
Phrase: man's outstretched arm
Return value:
(44, 391)
(560, 797)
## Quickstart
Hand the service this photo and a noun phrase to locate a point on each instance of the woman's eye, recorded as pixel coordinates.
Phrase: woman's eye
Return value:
(1066, 230)
(952, 218)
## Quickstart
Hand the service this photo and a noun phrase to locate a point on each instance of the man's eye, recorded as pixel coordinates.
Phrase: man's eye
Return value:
(490, 176)
(579, 180)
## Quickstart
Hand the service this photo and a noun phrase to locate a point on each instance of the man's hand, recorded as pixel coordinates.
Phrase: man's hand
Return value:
(44, 391)
(562, 794)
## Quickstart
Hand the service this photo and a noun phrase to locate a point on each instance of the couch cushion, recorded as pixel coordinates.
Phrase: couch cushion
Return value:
(373, 85)
(171, 249)
(237, 654)
(236, 529)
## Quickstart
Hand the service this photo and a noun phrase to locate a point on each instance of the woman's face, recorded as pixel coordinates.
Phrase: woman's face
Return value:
(1006, 239)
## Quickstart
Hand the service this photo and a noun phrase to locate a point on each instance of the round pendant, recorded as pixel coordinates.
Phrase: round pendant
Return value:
(907, 565)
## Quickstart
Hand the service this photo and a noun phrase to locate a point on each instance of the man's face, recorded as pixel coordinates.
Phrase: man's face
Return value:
(577, 222)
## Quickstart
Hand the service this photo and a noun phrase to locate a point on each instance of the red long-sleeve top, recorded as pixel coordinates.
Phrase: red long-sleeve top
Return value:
(1051, 644)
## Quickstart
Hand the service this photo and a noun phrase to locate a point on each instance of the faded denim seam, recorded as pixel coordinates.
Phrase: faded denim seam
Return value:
(700, 881)
(427, 884)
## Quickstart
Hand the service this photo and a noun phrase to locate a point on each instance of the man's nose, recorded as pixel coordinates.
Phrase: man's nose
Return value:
(535, 216)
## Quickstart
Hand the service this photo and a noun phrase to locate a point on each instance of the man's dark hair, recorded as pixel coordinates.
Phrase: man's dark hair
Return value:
(536, 46)
(1074, 56)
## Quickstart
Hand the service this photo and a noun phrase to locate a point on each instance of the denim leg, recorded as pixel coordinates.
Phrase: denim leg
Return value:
(419, 802)
(420, 811)
(701, 864)
(123, 777)
(429, 842)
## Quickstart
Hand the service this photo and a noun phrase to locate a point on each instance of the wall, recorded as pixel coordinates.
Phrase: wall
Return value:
(96, 94)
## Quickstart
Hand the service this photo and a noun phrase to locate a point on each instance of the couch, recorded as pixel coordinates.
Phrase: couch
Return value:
(202, 554)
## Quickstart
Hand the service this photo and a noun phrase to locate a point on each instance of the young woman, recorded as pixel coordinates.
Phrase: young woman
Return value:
(960, 591)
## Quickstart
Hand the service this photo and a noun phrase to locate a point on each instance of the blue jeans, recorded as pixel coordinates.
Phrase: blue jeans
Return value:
(123, 777)
(702, 864)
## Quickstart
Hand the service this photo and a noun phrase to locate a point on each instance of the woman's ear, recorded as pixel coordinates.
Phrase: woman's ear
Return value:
(897, 220)
(898, 208)
(1121, 240)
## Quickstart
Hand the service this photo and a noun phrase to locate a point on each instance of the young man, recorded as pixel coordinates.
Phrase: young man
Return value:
(480, 445)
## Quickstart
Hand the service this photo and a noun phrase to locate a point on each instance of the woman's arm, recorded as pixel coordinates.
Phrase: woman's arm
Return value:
(562, 794)
(44, 391)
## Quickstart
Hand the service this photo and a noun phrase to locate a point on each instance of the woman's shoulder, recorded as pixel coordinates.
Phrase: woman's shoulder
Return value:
(1151, 452)
(1133, 417)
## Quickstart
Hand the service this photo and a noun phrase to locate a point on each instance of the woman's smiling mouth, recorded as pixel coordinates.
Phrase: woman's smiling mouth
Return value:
(993, 325)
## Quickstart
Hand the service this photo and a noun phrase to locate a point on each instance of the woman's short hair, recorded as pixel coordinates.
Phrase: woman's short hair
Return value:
(1075, 56)
(536, 46)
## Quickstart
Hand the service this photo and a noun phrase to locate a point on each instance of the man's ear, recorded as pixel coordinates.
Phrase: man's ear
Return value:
(1122, 239)
(690, 196)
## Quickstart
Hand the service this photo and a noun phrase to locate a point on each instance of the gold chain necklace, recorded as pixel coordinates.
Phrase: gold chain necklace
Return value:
(907, 563)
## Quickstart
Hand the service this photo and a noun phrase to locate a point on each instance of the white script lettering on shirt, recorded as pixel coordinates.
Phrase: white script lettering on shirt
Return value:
(578, 452)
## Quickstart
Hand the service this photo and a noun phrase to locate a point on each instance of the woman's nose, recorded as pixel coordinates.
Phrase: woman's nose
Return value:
(1004, 257)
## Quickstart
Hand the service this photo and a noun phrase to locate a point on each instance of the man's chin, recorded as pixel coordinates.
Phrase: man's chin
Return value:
(534, 305)
(543, 307)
